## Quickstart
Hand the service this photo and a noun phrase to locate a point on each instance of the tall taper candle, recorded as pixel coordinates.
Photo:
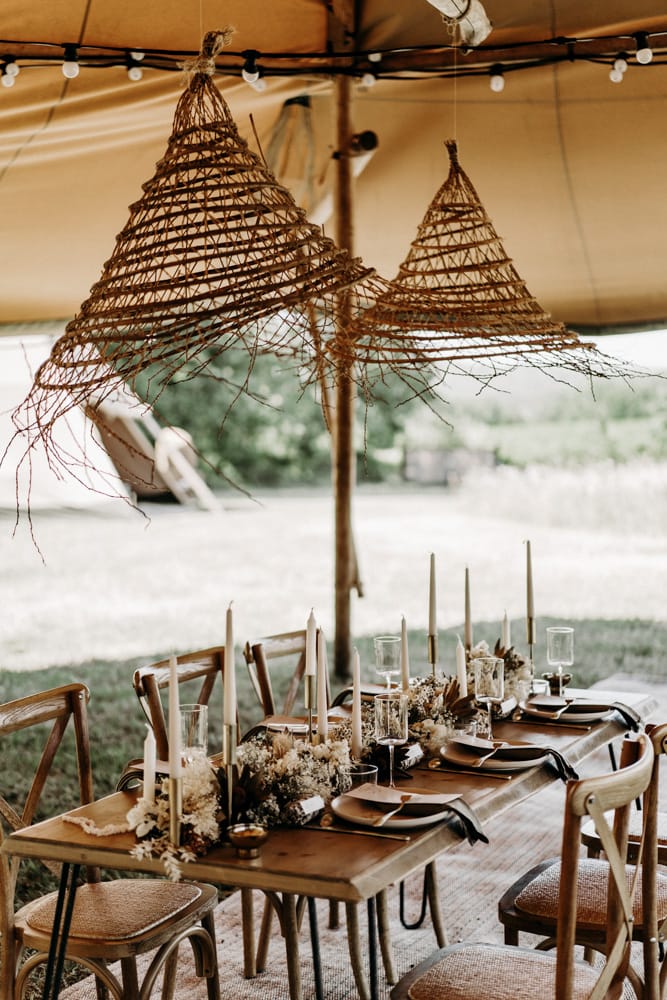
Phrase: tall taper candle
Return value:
(530, 602)
(467, 625)
(432, 615)
(229, 706)
(149, 767)
(311, 644)
(461, 671)
(405, 657)
(175, 762)
(505, 637)
(322, 671)
(356, 741)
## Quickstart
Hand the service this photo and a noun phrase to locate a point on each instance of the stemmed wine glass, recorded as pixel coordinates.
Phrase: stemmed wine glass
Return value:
(388, 656)
(489, 684)
(391, 724)
(560, 650)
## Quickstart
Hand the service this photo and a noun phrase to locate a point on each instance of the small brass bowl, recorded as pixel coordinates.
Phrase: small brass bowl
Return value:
(247, 838)
(554, 681)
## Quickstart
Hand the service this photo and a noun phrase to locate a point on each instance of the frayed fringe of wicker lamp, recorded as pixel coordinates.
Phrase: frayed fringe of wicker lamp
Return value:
(215, 254)
(458, 298)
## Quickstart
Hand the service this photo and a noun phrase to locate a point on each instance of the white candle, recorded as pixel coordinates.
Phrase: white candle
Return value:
(311, 644)
(461, 672)
(505, 639)
(405, 657)
(530, 604)
(175, 762)
(149, 767)
(467, 627)
(229, 705)
(322, 701)
(356, 741)
(432, 617)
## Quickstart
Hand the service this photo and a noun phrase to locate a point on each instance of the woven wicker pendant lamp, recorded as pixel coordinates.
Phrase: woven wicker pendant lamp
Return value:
(458, 298)
(215, 254)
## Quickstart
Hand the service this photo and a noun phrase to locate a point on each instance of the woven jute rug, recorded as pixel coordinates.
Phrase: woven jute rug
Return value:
(471, 880)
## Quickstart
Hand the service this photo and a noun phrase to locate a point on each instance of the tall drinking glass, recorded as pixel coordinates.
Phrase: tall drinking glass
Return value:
(194, 731)
(489, 684)
(560, 650)
(388, 656)
(391, 724)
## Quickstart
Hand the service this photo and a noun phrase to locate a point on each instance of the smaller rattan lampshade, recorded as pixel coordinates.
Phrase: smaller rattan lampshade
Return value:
(458, 298)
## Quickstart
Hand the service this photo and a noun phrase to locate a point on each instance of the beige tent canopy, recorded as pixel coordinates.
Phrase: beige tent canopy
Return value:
(568, 163)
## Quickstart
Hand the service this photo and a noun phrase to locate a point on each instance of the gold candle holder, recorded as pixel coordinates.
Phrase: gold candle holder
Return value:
(229, 730)
(309, 701)
(175, 789)
(433, 652)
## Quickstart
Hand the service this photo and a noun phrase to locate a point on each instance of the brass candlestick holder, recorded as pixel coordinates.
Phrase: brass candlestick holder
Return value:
(309, 701)
(432, 652)
(175, 789)
(229, 731)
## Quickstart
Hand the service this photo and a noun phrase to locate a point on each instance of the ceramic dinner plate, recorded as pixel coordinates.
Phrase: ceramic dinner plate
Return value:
(345, 807)
(576, 711)
(513, 757)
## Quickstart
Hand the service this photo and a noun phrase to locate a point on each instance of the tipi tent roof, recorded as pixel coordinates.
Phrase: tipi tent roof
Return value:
(567, 163)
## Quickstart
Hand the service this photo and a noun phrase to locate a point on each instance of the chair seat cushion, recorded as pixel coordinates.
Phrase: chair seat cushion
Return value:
(540, 897)
(473, 971)
(114, 911)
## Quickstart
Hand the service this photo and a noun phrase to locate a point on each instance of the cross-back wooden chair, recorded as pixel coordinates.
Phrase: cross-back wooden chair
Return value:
(530, 906)
(475, 971)
(112, 920)
(263, 655)
(152, 679)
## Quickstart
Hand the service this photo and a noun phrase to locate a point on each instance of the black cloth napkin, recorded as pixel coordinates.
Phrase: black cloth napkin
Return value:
(631, 718)
(561, 764)
(466, 823)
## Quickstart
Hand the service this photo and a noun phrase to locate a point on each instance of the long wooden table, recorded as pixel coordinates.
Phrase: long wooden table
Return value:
(307, 861)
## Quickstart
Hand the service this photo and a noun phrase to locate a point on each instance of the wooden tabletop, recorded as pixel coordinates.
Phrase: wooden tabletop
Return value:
(327, 862)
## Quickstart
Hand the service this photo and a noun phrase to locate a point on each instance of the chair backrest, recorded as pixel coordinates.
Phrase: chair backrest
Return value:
(590, 798)
(21, 802)
(654, 972)
(261, 654)
(150, 680)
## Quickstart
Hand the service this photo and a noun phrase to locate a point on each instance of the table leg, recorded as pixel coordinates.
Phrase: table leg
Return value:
(315, 945)
(372, 947)
(291, 932)
(354, 948)
(62, 920)
(248, 926)
(431, 880)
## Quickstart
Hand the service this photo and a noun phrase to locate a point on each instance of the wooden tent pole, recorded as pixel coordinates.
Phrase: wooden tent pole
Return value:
(345, 395)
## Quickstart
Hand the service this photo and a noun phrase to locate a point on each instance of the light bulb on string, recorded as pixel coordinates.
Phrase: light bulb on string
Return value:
(70, 67)
(375, 57)
(368, 80)
(11, 68)
(497, 81)
(250, 71)
(134, 70)
(644, 53)
(7, 79)
(615, 75)
(621, 62)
